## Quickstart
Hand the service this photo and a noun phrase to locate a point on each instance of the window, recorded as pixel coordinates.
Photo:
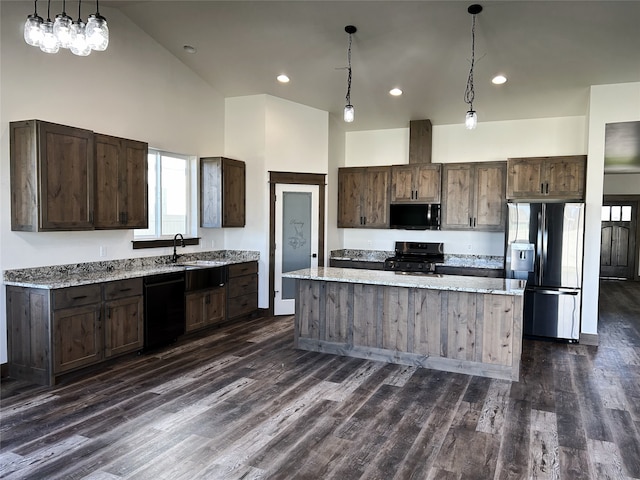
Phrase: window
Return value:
(616, 213)
(170, 206)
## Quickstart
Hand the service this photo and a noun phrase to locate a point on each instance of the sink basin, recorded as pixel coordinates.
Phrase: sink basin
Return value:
(202, 263)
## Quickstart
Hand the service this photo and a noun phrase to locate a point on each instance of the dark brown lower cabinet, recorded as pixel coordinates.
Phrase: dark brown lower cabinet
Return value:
(242, 289)
(205, 308)
(124, 318)
(52, 332)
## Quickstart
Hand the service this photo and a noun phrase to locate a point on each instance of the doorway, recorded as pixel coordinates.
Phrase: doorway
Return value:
(287, 233)
(619, 237)
(296, 240)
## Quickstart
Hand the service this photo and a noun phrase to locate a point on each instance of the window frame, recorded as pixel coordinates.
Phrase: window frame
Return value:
(157, 239)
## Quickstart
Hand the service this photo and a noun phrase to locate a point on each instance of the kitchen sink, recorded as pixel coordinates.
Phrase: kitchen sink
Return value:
(202, 263)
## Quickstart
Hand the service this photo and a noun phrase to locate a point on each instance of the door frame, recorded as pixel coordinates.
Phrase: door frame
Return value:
(630, 199)
(292, 178)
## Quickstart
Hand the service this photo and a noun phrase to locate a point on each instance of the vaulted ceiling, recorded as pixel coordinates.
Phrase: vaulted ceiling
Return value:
(551, 52)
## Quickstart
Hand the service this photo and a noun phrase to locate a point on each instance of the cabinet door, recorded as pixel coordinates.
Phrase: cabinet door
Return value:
(525, 178)
(233, 195)
(66, 182)
(133, 184)
(490, 204)
(375, 198)
(107, 169)
(194, 311)
(427, 183)
(350, 186)
(566, 177)
(402, 188)
(458, 196)
(205, 308)
(124, 326)
(77, 337)
(214, 306)
(120, 183)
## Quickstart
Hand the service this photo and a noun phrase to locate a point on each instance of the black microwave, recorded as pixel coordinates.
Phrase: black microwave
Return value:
(415, 216)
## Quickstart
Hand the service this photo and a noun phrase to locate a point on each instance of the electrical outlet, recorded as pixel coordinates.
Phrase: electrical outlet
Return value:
(103, 251)
(469, 247)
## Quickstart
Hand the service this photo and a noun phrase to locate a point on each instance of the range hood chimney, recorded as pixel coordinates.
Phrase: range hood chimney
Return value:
(420, 141)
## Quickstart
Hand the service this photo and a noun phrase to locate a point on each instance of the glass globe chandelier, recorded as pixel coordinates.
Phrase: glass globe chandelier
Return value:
(66, 33)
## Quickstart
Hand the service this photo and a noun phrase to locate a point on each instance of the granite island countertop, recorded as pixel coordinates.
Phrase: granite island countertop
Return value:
(459, 283)
(72, 275)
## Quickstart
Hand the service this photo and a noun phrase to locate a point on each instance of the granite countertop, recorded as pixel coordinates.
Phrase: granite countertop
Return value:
(458, 283)
(72, 275)
(450, 260)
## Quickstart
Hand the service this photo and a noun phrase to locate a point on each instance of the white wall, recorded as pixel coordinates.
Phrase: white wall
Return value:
(271, 134)
(607, 104)
(143, 93)
(491, 141)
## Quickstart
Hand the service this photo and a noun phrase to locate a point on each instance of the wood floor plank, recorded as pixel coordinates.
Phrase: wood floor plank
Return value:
(627, 438)
(513, 458)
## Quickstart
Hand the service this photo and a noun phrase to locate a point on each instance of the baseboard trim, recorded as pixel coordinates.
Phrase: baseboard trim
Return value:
(589, 339)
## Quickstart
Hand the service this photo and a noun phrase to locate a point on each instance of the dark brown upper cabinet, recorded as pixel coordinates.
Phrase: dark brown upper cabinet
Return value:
(51, 177)
(222, 192)
(415, 183)
(121, 183)
(473, 196)
(548, 178)
(363, 197)
(66, 178)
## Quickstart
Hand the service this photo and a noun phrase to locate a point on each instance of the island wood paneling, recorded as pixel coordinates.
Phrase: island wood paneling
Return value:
(464, 332)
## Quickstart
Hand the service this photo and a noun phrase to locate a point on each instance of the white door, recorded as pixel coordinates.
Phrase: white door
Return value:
(296, 228)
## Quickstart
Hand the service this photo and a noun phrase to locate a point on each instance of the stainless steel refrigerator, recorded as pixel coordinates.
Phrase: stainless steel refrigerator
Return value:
(544, 245)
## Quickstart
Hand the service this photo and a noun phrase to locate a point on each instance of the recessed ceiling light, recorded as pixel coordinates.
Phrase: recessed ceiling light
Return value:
(499, 80)
(396, 92)
(282, 78)
(189, 49)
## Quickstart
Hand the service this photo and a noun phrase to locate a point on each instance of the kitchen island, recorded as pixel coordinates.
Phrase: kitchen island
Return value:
(458, 324)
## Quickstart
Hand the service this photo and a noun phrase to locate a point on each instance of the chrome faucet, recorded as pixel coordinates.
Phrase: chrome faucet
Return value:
(174, 257)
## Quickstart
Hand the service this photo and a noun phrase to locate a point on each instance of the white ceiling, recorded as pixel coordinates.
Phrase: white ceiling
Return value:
(551, 52)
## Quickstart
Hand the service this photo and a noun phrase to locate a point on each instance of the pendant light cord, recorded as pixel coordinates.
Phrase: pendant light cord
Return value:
(348, 97)
(469, 93)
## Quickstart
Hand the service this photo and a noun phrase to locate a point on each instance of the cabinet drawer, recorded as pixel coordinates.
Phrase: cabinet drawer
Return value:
(242, 285)
(123, 288)
(242, 305)
(75, 296)
(238, 269)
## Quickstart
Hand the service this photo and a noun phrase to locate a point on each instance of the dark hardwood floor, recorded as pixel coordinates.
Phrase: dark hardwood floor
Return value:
(242, 403)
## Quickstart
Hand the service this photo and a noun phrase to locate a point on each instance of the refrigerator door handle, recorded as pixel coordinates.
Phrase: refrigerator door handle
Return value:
(556, 292)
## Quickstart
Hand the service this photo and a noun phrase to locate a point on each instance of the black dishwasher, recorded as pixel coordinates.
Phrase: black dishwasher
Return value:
(163, 309)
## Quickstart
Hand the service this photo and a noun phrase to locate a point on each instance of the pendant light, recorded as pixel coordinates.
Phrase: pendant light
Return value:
(79, 44)
(48, 43)
(62, 27)
(32, 32)
(97, 31)
(471, 119)
(349, 111)
(64, 32)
